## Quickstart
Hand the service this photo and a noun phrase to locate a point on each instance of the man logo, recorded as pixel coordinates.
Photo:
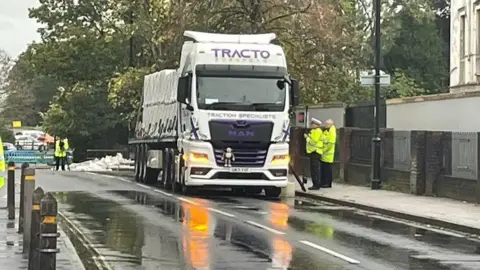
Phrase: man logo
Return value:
(241, 133)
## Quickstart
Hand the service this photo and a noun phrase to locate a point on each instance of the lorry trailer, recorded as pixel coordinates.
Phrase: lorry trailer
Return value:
(221, 119)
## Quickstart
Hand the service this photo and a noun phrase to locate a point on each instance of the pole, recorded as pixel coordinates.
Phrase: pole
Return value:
(11, 190)
(131, 38)
(22, 194)
(27, 197)
(33, 258)
(48, 233)
(376, 142)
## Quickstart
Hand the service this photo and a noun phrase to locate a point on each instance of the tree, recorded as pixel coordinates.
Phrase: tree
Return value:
(5, 66)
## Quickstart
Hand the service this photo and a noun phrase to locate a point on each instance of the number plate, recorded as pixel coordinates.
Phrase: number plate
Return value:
(240, 170)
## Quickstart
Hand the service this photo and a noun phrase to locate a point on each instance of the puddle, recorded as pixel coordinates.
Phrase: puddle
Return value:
(135, 230)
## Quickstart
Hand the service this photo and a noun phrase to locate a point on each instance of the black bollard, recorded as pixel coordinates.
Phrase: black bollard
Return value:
(33, 258)
(48, 232)
(11, 190)
(27, 204)
(22, 200)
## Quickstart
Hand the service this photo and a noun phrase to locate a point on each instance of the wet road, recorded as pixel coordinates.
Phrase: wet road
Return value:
(133, 226)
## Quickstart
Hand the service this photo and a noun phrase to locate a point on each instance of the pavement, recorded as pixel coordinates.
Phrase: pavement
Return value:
(126, 225)
(435, 211)
(11, 243)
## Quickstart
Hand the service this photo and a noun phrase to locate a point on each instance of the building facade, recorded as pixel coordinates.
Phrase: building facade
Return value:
(465, 45)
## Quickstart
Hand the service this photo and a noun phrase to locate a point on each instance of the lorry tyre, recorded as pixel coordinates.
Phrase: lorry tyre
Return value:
(137, 163)
(167, 170)
(141, 163)
(273, 192)
(151, 176)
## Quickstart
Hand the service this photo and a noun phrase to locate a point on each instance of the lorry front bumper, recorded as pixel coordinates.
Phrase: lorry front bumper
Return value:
(206, 172)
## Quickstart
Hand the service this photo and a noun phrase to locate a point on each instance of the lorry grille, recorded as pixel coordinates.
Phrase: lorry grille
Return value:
(244, 157)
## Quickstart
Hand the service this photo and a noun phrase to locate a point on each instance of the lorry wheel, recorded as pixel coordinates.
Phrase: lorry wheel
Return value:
(144, 163)
(137, 163)
(141, 161)
(273, 192)
(167, 170)
(186, 190)
(151, 176)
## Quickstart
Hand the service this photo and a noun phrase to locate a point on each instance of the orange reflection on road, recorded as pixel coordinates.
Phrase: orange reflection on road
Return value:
(282, 253)
(195, 235)
(278, 215)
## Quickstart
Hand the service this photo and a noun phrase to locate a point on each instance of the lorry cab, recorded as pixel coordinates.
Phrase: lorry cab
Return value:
(227, 109)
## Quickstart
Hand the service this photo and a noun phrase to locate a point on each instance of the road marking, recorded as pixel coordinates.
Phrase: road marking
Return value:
(144, 186)
(187, 200)
(331, 252)
(100, 261)
(163, 193)
(220, 212)
(124, 180)
(264, 227)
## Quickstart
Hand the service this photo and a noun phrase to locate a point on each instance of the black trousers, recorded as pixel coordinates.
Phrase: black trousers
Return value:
(315, 169)
(327, 174)
(60, 161)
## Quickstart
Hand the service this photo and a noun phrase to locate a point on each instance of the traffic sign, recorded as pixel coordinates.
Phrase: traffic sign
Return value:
(367, 78)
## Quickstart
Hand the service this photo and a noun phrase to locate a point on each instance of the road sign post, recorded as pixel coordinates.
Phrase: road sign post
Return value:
(378, 79)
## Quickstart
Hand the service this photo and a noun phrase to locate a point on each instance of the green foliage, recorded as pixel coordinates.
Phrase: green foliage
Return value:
(82, 80)
(6, 133)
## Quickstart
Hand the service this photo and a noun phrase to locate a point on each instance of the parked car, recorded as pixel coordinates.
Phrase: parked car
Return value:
(9, 146)
(28, 142)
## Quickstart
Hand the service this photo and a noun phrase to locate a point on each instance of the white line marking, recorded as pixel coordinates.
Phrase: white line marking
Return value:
(187, 200)
(86, 242)
(144, 186)
(331, 252)
(163, 192)
(264, 227)
(123, 179)
(220, 212)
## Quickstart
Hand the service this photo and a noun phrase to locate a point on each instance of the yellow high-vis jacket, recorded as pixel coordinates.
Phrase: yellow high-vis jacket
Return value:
(314, 141)
(330, 139)
(61, 152)
(2, 165)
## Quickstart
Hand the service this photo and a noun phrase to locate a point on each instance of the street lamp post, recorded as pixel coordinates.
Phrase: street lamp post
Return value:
(376, 142)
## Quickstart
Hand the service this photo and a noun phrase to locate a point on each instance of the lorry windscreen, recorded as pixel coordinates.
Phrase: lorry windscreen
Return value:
(240, 93)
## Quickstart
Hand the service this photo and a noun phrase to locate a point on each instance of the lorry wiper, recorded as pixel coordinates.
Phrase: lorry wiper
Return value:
(218, 105)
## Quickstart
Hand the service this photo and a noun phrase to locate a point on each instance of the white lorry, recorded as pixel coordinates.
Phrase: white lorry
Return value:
(221, 119)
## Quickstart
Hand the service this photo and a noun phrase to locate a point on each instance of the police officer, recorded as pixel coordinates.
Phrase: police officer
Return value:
(2, 170)
(314, 147)
(330, 139)
(61, 146)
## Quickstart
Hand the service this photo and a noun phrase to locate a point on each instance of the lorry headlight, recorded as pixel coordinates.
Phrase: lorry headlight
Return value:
(196, 157)
(281, 159)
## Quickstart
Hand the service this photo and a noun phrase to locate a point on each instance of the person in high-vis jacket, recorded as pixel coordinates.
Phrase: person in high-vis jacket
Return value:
(2, 170)
(330, 139)
(61, 146)
(314, 147)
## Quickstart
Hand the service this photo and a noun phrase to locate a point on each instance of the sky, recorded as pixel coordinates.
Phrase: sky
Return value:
(16, 29)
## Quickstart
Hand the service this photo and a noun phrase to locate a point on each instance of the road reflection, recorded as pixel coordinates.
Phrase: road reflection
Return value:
(197, 226)
(282, 250)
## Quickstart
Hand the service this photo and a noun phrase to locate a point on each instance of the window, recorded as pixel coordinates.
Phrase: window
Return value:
(462, 49)
(240, 93)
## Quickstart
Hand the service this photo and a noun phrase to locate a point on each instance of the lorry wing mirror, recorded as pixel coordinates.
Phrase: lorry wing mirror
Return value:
(295, 93)
(183, 89)
(281, 84)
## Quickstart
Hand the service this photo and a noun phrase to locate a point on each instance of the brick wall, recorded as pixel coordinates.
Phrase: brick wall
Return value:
(429, 163)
